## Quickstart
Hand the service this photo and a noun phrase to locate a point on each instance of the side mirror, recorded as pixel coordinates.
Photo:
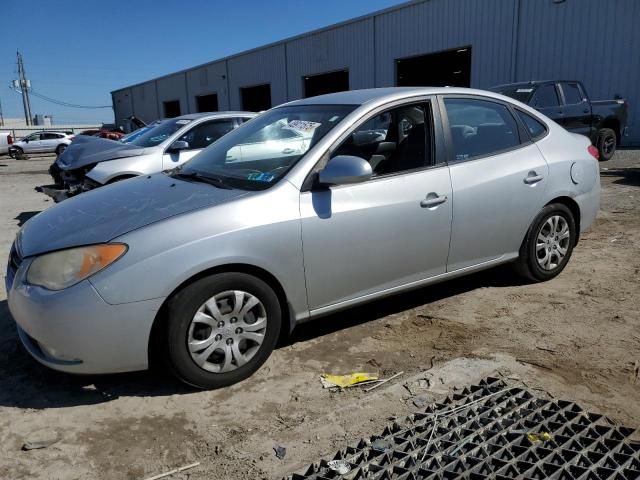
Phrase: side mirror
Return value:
(26, 140)
(345, 169)
(178, 145)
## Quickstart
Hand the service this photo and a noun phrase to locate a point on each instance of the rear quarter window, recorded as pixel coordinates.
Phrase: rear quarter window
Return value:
(535, 127)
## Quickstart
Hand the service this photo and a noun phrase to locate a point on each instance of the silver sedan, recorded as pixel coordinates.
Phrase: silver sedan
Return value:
(387, 190)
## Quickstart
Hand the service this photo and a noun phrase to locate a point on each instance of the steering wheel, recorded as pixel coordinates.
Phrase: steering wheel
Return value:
(281, 167)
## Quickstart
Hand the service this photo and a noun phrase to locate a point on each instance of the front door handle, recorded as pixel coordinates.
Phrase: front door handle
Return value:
(532, 178)
(287, 151)
(433, 200)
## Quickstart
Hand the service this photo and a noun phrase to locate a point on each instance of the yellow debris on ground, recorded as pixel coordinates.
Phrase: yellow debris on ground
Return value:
(539, 437)
(343, 381)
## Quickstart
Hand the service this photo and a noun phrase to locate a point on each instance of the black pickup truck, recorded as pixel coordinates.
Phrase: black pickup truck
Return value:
(567, 103)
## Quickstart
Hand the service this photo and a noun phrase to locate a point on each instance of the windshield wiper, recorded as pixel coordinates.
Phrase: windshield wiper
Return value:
(198, 177)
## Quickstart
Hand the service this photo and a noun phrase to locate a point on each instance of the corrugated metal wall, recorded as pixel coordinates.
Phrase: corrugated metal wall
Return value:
(206, 80)
(349, 47)
(486, 25)
(254, 68)
(173, 87)
(145, 102)
(594, 41)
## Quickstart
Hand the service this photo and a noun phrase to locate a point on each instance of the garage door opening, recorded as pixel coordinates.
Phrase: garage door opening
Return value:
(171, 108)
(256, 99)
(326, 83)
(449, 68)
(207, 103)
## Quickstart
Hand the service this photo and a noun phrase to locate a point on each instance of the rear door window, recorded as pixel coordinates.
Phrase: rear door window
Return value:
(572, 93)
(480, 128)
(546, 96)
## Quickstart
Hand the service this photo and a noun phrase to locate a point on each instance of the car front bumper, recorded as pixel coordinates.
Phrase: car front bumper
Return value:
(76, 331)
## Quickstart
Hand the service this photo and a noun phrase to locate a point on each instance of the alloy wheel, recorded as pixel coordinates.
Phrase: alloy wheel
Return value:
(552, 242)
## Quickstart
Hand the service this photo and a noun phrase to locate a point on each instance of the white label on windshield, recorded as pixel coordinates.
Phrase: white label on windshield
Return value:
(524, 90)
(334, 118)
(302, 126)
(182, 122)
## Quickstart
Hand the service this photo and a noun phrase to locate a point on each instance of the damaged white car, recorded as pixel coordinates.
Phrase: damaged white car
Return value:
(90, 162)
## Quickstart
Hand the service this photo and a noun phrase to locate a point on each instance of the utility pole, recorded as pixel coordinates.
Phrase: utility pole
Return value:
(24, 85)
(1, 117)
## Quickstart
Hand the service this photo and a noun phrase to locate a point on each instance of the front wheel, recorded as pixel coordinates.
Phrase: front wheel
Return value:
(61, 148)
(548, 245)
(607, 142)
(16, 152)
(221, 329)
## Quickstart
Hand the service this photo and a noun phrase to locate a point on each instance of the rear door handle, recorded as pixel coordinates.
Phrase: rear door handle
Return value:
(287, 151)
(433, 200)
(533, 178)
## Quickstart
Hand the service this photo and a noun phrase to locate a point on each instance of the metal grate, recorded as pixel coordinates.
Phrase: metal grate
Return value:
(489, 431)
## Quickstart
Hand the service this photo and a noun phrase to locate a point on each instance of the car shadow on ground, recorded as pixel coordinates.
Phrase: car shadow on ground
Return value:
(24, 216)
(627, 176)
(27, 384)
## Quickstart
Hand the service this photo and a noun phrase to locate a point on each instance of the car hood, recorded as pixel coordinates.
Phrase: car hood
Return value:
(105, 213)
(86, 150)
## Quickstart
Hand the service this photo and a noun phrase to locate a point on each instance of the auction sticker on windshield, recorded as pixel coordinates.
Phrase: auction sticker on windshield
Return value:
(261, 177)
(302, 126)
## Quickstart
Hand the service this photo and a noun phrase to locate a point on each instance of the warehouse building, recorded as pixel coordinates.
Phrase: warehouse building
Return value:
(476, 43)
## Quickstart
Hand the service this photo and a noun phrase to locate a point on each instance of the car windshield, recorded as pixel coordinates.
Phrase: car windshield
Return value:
(521, 93)
(256, 155)
(159, 133)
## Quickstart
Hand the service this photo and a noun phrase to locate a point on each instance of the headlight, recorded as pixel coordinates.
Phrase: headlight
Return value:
(59, 270)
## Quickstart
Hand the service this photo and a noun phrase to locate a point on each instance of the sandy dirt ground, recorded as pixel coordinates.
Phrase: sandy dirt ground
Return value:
(576, 337)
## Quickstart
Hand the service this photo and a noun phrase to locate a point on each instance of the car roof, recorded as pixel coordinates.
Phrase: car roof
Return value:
(360, 97)
(61, 132)
(196, 116)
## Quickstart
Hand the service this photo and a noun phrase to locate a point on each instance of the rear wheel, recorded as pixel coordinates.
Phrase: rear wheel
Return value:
(547, 248)
(221, 329)
(607, 142)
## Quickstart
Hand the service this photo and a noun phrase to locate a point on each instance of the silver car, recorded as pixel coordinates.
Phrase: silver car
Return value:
(42, 142)
(392, 189)
(91, 162)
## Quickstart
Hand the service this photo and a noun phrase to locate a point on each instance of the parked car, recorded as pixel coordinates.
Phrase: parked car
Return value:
(103, 133)
(6, 140)
(42, 142)
(395, 189)
(90, 163)
(604, 122)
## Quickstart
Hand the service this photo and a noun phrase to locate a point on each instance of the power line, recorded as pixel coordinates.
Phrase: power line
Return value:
(65, 104)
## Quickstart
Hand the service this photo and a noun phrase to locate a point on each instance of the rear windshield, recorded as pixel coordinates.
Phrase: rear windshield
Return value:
(522, 94)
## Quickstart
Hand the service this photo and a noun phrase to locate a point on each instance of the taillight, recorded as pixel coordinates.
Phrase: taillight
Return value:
(594, 152)
(9, 140)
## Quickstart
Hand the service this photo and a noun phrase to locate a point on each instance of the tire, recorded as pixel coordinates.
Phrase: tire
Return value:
(16, 153)
(60, 148)
(607, 142)
(529, 264)
(221, 363)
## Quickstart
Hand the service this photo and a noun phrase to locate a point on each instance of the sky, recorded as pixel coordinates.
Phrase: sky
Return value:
(79, 51)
